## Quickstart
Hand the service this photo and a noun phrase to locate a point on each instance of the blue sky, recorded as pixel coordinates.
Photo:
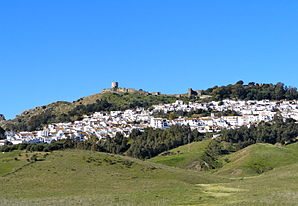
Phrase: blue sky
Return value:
(54, 50)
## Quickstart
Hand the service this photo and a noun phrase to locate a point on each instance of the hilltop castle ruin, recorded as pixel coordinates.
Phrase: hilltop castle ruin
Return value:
(115, 88)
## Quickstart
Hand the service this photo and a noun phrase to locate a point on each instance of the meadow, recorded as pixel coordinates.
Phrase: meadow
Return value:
(77, 177)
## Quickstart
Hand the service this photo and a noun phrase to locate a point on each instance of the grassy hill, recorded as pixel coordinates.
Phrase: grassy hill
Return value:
(186, 156)
(76, 177)
(262, 174)
(258, 158)
(275, 187)
(250, 161)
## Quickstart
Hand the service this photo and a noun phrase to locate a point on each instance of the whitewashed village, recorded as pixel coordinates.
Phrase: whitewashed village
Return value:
(103, 124)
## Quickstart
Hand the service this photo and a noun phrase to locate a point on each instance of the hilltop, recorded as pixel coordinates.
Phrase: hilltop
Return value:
(187, 156)
(122, 99)
(257, 159)
(253, 160)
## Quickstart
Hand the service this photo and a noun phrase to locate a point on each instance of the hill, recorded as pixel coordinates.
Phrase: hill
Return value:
(186, 156)
(257, 159)
(253, 160)
(262, 174)
(63, 111)
(76, 177)
(275, 187)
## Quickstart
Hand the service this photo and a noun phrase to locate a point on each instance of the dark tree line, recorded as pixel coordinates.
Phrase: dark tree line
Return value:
(152, 142)
(252, 91)
(55, 145)
(277, 131)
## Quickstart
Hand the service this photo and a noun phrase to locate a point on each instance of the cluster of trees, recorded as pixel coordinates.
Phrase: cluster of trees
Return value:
(55, 145)
(278, 131)
(143, 145)
(152, 142)
(252, 91)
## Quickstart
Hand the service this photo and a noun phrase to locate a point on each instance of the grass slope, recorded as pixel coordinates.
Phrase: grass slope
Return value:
(275, 187)
(186, 156)
(75, 177)
(10, 161)
(258, 158)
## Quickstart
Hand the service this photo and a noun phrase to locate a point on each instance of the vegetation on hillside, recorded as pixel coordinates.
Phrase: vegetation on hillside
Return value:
(277, 131)
(152, 142)
(257, 159)
(252, 91)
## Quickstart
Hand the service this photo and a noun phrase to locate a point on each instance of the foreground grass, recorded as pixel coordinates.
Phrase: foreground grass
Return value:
(276, 187)
(75, 177)
(91, 178)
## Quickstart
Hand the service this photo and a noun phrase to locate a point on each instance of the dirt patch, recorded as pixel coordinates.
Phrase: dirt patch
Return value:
(219, 190)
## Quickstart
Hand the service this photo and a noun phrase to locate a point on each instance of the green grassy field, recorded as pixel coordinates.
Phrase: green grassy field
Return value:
(257, 159)
(75, 177)
(91, 178)
(13, 160)
(275, 187)
(186, 156)
(261, 174)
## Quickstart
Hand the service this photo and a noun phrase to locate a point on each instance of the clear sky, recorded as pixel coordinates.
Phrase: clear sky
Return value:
(54, 50)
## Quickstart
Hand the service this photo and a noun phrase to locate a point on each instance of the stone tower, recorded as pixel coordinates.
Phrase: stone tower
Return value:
(190, 92)
(114, 85)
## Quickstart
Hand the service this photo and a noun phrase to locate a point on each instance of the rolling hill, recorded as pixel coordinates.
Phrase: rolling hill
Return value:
(186, 156)
(257, 159)
(76, 177)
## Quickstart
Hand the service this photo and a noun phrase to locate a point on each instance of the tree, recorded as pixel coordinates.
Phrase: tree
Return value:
(240, 82)
(2, 133)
